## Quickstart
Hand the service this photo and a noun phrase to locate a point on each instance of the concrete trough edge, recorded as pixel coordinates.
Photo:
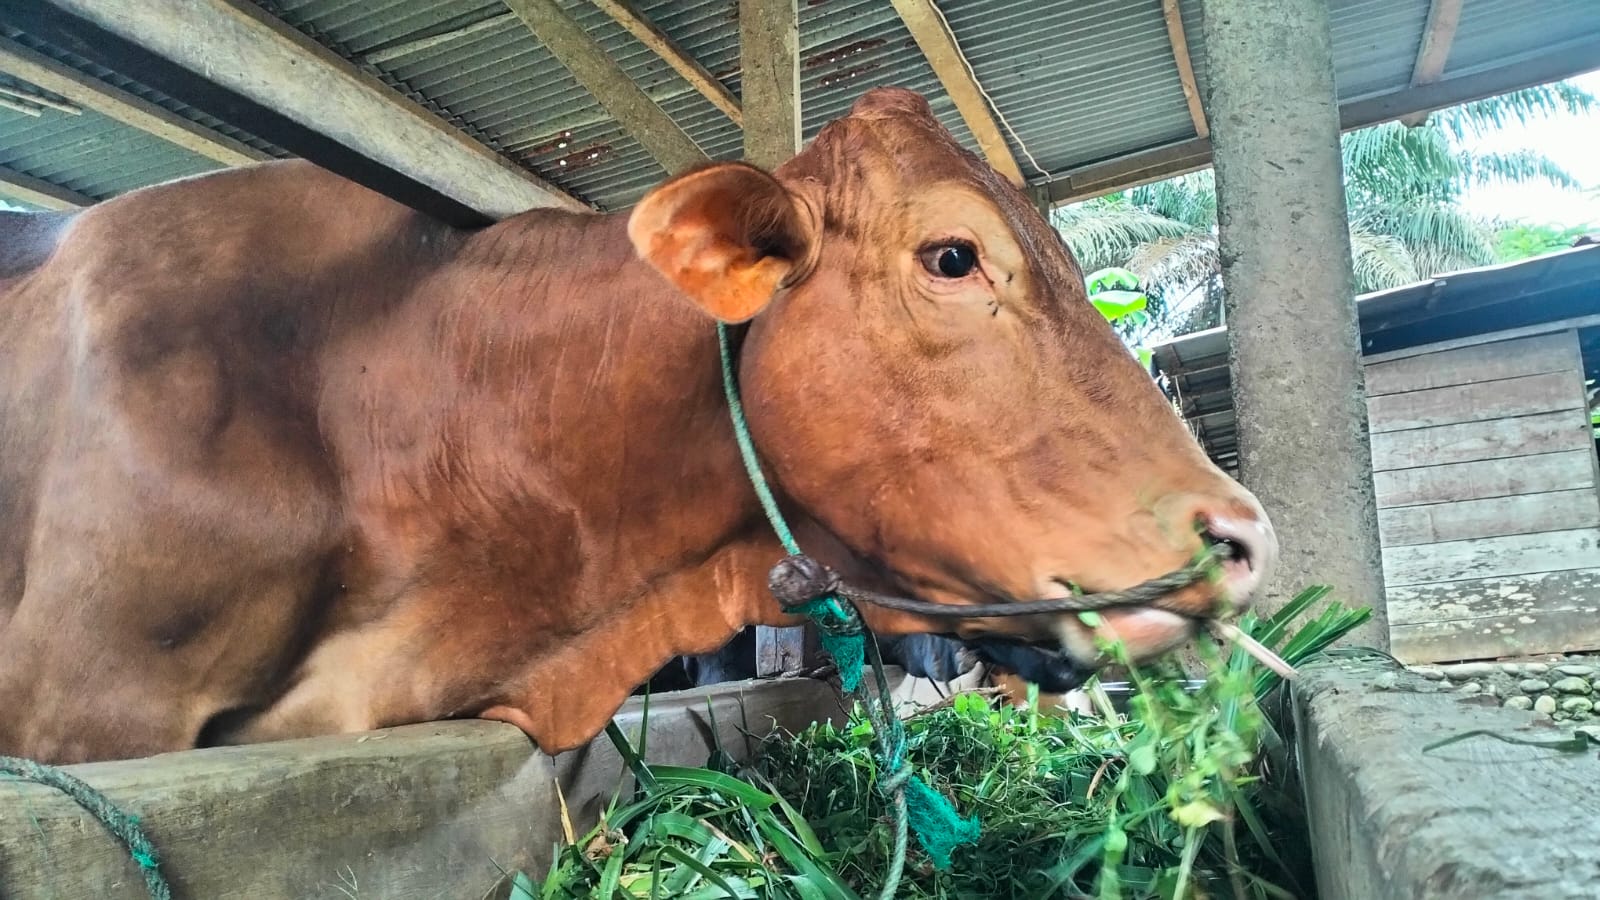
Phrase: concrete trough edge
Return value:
(421, 811)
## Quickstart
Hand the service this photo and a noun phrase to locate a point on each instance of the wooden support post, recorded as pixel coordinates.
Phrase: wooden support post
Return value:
(1437, 37)
(114, 103)
(610, 86)
(238, 63)
(1295, 348)
(769, 53)
(629, 17)
(38, 192)
(1180, 56)
(928, 29)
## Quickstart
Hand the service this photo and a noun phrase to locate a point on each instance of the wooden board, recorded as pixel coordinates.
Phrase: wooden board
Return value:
(1468, 519)
(1514, 554)
(1490, 637)
(1476, 820)
(1479, 402)
(1470, 441)
(1568, 470)
(1514, 595)
(1470, 365)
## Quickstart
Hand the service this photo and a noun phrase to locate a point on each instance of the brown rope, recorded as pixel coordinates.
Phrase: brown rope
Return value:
(800, 579)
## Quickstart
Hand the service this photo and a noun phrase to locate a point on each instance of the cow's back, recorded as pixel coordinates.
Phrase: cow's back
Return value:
(159, 368)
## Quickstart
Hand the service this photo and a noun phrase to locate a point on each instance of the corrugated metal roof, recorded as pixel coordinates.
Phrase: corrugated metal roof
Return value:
(1494, 31)
(91, 154)
(1079, 82)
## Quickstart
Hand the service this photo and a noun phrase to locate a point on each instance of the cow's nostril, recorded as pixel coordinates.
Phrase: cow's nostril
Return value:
(1252, 547)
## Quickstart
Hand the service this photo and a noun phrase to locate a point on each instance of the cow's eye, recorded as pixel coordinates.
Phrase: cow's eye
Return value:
(954, 261)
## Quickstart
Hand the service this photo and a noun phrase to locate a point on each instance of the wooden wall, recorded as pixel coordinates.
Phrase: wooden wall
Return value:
(1488, 504)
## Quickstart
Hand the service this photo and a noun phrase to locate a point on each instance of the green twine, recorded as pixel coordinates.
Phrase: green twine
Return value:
(918, 807)
(123, 826)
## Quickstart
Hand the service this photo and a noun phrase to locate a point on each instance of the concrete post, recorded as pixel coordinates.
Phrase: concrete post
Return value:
(1285, 245)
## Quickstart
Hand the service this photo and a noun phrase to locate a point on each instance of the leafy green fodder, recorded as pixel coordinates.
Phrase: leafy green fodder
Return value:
(1165, 801)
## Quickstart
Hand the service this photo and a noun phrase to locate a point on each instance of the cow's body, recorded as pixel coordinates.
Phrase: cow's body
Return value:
(280, 457)
(322, 464)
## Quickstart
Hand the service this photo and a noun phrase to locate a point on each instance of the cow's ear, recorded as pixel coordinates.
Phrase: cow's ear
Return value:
(728, 235)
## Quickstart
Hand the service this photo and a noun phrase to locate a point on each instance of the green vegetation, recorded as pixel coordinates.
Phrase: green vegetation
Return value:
(1403, 185)
(1523, 241)
(1166, 801)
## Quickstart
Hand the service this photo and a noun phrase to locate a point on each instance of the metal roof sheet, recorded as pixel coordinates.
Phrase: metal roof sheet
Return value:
(1078, 82)
(91, 154)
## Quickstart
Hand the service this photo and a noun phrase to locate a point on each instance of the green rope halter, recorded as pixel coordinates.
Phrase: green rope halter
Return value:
(123, 826)
(918, 807)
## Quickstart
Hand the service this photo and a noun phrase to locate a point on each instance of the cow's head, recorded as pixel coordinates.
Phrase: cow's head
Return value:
(926, 377)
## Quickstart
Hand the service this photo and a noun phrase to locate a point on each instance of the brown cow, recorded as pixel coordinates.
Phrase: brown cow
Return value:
(280, 457)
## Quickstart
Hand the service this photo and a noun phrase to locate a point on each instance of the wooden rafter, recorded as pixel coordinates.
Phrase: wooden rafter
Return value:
(40, 100)
(927, 28)
(38, 192)
(624, 13)
(1180, 55)
(1444, 16)
(769, 53)
(235, 60)
(115, 103)
(600, 75)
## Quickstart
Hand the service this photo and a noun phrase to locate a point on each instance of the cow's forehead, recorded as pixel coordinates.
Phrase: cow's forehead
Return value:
(890, 147)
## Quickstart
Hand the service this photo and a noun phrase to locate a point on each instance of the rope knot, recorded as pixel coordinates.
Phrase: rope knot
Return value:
(798, 579)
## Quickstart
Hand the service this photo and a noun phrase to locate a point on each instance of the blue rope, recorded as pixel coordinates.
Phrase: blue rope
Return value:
(918, 807)
(123, 826)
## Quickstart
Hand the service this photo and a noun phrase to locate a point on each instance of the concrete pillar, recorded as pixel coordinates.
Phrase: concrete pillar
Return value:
(1297, 380)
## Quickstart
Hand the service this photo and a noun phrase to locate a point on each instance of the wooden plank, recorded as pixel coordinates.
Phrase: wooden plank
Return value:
(1494, 337)
(1489, 637)
(114, 103)
(1513, 554)
(1180, 55)
(1437, 37)
(769, 56)
(1478, 598)
(600, 75)
(423, 811)
(1465, 520)
(1536, 355)
(1392, 819)
(1470, 441)
(1484, 479)
(17, 106)
(785, 651)
(1522, 396)
(356, 124)
(38, 192)
(929, 29)
(624, 13)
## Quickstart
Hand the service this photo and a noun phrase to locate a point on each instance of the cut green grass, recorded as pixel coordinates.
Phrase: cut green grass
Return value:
(1168, 801)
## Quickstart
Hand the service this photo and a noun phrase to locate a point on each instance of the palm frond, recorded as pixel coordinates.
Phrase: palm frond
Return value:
(1493, 113)
(1439, 236)
(1380, 261)
(1517, 167)
(1102, 235)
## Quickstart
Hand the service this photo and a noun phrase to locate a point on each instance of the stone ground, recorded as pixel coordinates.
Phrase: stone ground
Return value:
(1564, 687)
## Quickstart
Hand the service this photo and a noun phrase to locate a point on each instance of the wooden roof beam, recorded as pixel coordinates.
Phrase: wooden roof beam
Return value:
(239, 63)
(1444, 16)
(927, 27)
(1180, 55)
(624, 13)
(38, 192)
(112, 102)
(769, 54)
(600, 75)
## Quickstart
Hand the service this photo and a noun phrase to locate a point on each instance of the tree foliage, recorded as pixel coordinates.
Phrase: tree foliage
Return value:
(1403, 186)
